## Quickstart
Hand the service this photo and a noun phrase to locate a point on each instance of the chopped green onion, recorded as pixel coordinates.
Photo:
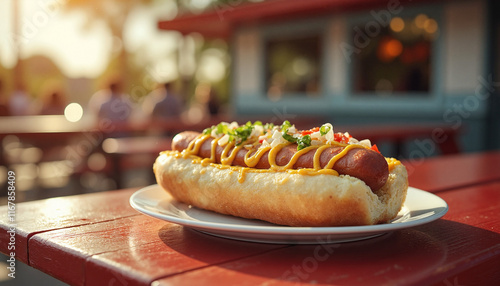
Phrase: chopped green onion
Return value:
(289, 137)
(268, 126)
(242, 133)
(303, 142)
(208, 130)
(324, 129)
(286, 124)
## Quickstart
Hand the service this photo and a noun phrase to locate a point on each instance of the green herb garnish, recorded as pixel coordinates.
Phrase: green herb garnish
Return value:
(241, 133)
(302, 142)
(284, 132)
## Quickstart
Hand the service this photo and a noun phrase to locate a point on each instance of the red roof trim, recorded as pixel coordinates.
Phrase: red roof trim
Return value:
(223, 18)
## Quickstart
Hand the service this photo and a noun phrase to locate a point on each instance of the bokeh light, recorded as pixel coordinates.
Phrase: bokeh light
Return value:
(420, 20)
(389, 49)
(431, 26)
(73, 112)
(397, 24)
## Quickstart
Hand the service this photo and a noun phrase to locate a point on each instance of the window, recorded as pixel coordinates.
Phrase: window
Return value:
(397, 59)
(292, 66)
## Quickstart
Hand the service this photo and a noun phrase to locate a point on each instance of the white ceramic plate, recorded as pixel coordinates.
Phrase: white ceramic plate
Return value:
(420, 207)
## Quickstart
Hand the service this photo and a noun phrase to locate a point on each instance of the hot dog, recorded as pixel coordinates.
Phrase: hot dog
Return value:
(282, 175)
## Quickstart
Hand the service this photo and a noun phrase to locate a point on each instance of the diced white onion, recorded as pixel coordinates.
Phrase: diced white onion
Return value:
(366, 143)
(329, 136)
(316, 135)
(316, 143)
(214, 133)
(277, 139)
(265, 143)
(257, 131)
(233, 125)
(353, 141)
(224, 140)
(277, 135)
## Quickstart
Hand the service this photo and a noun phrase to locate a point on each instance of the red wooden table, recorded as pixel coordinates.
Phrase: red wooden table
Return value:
(98, 239)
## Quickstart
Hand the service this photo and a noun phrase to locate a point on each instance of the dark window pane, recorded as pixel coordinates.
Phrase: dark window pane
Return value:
(292, 66)
(398, 59)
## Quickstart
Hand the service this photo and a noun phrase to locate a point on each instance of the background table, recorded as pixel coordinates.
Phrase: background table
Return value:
(98, 239)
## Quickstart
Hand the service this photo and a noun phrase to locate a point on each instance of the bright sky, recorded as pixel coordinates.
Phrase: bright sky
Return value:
(78, 51)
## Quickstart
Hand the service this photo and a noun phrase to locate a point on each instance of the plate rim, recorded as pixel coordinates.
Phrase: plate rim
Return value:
(289, 230)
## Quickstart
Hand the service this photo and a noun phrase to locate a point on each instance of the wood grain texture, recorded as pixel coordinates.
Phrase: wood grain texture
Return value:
(137, 249)
(56, 213)
(179, 250)
(455, 171)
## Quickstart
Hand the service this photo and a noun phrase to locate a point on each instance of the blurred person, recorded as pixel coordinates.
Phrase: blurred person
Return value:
(96, 100)
(53, 103)
(205, 104)
(110, 103)
(116, 106)
(213, 102)
(113, 110)
(163, 103)
(20, 103)
(4, 107)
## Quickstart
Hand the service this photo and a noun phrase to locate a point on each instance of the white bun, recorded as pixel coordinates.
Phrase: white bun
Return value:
(283, 198)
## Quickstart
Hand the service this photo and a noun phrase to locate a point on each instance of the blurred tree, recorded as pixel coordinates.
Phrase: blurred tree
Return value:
(114, 13)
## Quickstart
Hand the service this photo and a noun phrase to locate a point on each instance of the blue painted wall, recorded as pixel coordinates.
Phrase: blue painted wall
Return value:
(466, 111)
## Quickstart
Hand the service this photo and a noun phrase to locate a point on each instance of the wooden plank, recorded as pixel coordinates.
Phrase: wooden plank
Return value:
(134, 250)
(56, 213)
(454, 171)
(468, 236)
(482, 274)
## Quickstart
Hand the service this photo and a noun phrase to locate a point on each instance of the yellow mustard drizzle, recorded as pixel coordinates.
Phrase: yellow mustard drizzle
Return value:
(242, 174)
(251, 160)
(195, 145)
(392, 162)
(207, 161)
(228, 160)
(274, 151)
(317, 156)
(335, 158)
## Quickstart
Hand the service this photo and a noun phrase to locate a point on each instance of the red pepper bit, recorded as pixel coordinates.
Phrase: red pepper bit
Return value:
(375, 148)
(341, 137)
(310, 131)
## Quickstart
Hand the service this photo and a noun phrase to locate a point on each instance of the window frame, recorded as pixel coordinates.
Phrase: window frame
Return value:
(406, 100)
(307, 28)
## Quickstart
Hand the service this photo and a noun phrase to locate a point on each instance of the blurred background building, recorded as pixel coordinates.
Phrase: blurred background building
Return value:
(363, 62)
